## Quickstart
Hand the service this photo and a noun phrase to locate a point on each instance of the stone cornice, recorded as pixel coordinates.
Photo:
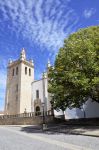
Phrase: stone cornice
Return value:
(17, 62)
(38, 80)
(27, 63)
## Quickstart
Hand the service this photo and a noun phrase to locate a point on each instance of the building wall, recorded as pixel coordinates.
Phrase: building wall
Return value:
(89, 110)
(41, 86)
(12, 94)
(18, 88)
(37, 85)
(47, 96)
(25, 88)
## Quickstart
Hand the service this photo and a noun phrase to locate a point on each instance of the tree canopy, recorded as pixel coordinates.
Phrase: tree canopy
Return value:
(75, 74)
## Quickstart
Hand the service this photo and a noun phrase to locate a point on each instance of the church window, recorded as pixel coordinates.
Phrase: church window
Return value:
(25, 70)
(13, 72)
(29, 72)
(16, 70)
(37, 93)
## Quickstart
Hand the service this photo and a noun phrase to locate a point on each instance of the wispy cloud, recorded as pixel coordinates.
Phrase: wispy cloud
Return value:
(42, 22)
(46, 23)
(2, 88)
(89, 12)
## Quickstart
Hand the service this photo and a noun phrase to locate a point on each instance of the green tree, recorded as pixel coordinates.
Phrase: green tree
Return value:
(75, 75)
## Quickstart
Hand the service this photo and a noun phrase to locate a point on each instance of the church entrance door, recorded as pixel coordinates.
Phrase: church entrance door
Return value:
(37, 111)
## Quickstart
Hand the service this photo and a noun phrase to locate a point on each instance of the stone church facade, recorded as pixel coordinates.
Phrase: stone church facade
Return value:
(23, 93)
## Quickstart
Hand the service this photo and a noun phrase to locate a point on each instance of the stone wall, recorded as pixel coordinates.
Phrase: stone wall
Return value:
(23, 120)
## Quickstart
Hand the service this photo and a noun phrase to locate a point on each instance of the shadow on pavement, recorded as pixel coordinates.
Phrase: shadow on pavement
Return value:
(65, 129)
(32, 129)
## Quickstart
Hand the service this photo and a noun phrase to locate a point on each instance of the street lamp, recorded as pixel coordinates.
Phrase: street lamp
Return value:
(52, 104)
(43, 125)
(25, 112)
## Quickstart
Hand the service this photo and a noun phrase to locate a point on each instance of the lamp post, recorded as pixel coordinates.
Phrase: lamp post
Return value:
(84, 112)
(52, 104)
(43, 125)
(25, 112)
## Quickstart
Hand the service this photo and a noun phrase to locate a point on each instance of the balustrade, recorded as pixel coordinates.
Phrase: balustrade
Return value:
(29, 115)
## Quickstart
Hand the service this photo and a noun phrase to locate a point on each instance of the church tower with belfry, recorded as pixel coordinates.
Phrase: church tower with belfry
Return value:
(20, 75)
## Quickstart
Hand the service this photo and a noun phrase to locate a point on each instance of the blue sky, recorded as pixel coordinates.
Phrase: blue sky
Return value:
(40, 26)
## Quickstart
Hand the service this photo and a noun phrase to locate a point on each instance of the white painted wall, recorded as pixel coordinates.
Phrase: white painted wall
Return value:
(37, 85)
(42, 86)
(91, 111)
(58, 113)
(74, 113)
(25, 88)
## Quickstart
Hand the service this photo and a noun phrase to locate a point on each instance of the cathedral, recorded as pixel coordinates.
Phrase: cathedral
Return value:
(23, 93)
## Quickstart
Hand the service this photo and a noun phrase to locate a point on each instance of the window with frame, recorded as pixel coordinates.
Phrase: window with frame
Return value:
(37, 93)
(13, 72)
(29, 72)
(16, 70)
(25, 70)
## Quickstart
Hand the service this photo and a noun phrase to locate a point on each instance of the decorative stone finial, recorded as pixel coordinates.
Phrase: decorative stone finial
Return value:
(10, 61)
(48, 64)
(44, 75)
(31, 61)
(23, 55)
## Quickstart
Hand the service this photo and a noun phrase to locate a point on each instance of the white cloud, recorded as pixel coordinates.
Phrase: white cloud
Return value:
(2, 79)
(2, 88)
(89, 12)
(44, 22)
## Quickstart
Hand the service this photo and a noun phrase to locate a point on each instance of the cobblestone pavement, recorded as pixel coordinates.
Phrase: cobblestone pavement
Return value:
(24, 138)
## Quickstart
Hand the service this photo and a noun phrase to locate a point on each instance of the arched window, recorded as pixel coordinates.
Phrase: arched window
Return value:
(25, 70)
(37, 93)
(16, 70)
(29, 72)
(13, 72)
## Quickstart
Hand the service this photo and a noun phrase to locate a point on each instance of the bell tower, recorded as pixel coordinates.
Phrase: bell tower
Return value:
(20, 75)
